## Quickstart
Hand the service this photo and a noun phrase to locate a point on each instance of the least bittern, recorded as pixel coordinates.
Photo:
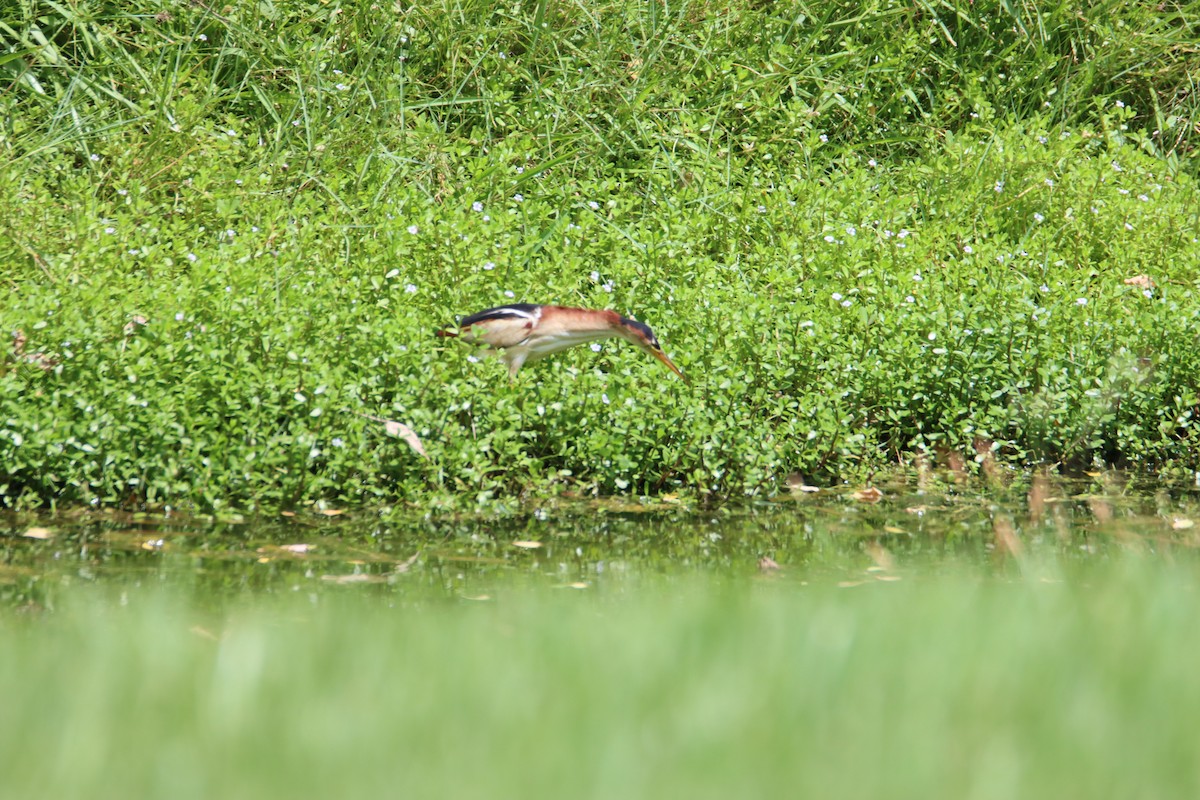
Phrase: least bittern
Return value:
(526, 332)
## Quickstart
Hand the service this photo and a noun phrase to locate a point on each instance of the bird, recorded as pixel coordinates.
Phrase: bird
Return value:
(527, 331)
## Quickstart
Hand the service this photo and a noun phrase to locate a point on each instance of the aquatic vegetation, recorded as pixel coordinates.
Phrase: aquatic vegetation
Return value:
(228, 236)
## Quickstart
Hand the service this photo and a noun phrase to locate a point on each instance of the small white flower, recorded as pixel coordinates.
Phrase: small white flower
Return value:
(762, 209)
(910, 299)
(607, 286)
(314, 453)
(837, 296)
(932, 336)
(851, 230)
(94, 157)
(871, 162)
(846, 303)
(110, 230)
(487, 218)
(1081, 301)
(593, 205)
(903, 234)
(337, 442)
(520, 170)
(917, 277)
(477, 206)
(122, 192)
(1038, 217)
(1116, 167)
(489, 265)
(1122, 191)
(179, 317)
(520, 198)
(509, 294)
(300, 398)
(1120, 104)
(203, 37)
(595, 276)
(1148, 292)
(1128, 226)
(1049, 183)
(968, 249)
(413, 229)
(999, 187)
(191, 257)
(596, 348)
(1042, 139)
(410, 288)
(829, 238)
(604, 398)
(823, 138)
(1143, 198)
(341, 87)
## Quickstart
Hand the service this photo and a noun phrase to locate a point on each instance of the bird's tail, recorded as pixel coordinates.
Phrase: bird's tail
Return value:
(445, 334)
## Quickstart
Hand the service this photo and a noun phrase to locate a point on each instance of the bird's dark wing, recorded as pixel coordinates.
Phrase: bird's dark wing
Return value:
(526, 311)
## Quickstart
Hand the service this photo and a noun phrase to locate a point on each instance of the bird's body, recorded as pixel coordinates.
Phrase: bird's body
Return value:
(526, 332)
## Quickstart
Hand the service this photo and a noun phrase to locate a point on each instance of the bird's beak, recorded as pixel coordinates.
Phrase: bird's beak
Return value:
(661, 356)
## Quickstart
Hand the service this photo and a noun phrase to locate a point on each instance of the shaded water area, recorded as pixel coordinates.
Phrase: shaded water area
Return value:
(846, 537)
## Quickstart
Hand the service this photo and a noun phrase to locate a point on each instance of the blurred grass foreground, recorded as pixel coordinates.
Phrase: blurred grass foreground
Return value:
(871, 234)
(953, 687)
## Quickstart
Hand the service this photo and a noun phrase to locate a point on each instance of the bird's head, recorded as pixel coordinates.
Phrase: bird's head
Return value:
(640, 334)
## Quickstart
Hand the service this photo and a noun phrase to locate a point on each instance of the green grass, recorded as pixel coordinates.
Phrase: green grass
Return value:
(285, 195)
(950, 686)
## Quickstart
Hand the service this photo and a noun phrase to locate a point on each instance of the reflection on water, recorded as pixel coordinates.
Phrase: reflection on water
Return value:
(846, 537)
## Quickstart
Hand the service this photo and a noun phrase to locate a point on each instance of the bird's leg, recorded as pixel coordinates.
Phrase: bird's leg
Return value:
(514, 358)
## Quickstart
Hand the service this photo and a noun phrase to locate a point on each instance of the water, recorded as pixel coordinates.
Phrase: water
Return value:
(848, 537)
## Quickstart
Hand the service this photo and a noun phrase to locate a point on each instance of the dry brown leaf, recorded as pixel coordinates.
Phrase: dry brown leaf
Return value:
(19, 341)
(985, 459)
(332, 512)
(405, 566)
(849, 584)
(38, 533)
(767, 564)
(357, 577)
(575, 585)
(400, 431)
(135, 322)
(887, 578)
(527, 544)
(299, 549)
(153, 544)
(870, 494)
(287, 513)
(1144, 281)
(1182, 523)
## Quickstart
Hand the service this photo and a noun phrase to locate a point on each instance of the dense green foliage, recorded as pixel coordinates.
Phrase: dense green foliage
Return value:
(864, 231)
(943, 687)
